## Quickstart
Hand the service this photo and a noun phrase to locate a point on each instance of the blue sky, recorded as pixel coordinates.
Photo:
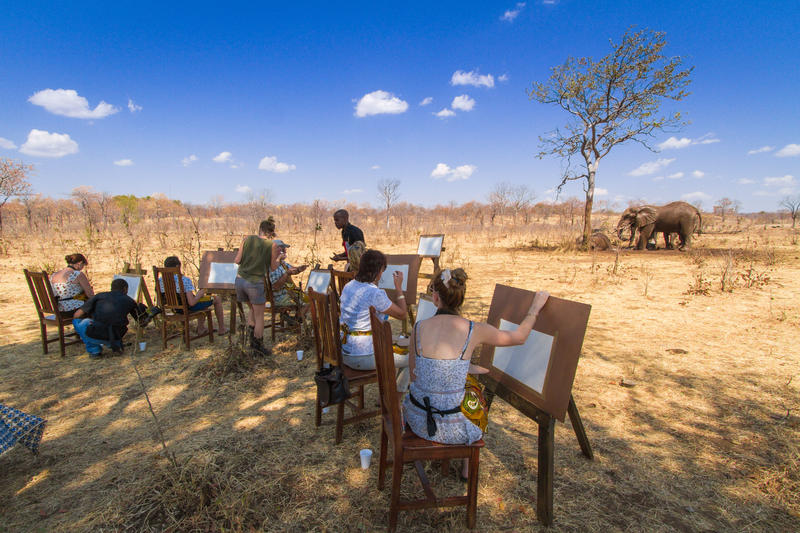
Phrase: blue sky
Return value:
(316, 100)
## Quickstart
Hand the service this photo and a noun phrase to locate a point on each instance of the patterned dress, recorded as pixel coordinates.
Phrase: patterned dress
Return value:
(441, 381)
(66, 291)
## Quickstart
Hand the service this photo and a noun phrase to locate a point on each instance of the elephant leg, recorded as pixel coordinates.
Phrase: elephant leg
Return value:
(668, 240)
(644, 236)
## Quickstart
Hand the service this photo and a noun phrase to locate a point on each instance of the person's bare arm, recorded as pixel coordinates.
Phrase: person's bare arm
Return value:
(78, 313)
(398, 310)
(487, 334)
(412, 354)
(193, 297)
(238, 258)
(83, 281)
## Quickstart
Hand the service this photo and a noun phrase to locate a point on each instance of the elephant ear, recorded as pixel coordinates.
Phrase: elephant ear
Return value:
(645, 215)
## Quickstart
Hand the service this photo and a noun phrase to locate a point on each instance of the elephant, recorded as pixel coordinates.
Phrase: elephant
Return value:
(675, 217)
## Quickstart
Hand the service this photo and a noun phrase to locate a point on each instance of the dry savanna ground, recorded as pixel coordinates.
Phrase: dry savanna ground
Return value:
(703, 438)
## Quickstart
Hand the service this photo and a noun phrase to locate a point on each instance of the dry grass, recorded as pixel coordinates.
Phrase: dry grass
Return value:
(707, 439)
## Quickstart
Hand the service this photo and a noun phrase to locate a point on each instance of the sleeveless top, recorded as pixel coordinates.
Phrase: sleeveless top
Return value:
(256, 254)
(66, 291)
(442, 382)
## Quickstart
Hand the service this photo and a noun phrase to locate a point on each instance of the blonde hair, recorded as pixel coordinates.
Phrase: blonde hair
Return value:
(451, 285)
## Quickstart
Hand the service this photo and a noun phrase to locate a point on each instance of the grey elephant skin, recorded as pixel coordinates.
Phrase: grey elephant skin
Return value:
(675, 217)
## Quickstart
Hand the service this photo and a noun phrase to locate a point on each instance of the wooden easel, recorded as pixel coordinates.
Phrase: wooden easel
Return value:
(546, 441)
(138, 272)
(434, 258)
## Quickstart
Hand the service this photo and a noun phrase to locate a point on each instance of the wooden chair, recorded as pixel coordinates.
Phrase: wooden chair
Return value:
(408, 447)
(325, 317)
(278, 311)
(175, 307)
(340, 278)
(47, 309)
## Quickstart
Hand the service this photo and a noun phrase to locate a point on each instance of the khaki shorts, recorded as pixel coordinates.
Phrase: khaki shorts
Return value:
(255, 293)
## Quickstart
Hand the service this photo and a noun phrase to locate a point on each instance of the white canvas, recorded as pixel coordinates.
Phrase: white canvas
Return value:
(133, 284)
(222, 273)
(425, 309)
(386, 281)
(430, 246)
(318, 280)
(527, 362)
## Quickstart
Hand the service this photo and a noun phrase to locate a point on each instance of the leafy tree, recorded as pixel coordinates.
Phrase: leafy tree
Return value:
(610, 102)
(13, 182)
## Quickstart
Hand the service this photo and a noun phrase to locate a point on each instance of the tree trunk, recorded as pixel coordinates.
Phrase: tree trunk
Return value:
(587, 209)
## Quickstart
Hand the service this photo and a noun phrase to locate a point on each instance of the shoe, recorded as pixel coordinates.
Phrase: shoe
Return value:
(257, 345)
(98, 355)
(151, 313)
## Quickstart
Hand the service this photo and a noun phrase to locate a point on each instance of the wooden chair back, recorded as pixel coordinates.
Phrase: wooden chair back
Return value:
(173, 295)
(340, 279)
(325, 318)
(42, 292)
(387, 384)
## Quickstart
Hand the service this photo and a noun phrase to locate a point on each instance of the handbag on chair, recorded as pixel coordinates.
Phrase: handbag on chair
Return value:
(332, 386)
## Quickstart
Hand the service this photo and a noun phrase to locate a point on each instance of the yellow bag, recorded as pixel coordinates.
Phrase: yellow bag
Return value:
(474, 404)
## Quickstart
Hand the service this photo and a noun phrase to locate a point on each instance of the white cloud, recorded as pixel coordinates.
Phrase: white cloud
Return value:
(650, 167)
(658, 178)
(698, 174)
(676, 176)
(790, 150)
(444, 113)
(462, 172)
(511, 14)
(271, 164)
(132, 107)
(463, 102)
(697, 195)
(186, 161)
(375, 167)
(68, 103)
(761, 150)
(472, 78)
(502, 78)
(426, 101)
(123, 163)
(675, 143)
(783, 191)
(600, 191)
(8, 145)
(763, 193)
(243, 189)
(352, 191)
(708, 138)
(380, 103)
(779, 180)
(745, 181)
(549, 2)
(46, 144)
(223, 157)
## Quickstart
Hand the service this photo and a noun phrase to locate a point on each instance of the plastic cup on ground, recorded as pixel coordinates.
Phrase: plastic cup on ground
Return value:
(366, 457)
(299, 355)
(142, 346)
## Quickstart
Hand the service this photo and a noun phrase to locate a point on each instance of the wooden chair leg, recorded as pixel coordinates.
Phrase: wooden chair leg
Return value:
(382, 461)
(360, 397)
(445, 467)
(187, 336)
(472, 489)
(339, 422)
(273, 326)
(210, 329)
(61, 338)
(164, 334)
(43, 327)
(397, 476)
(318, 415)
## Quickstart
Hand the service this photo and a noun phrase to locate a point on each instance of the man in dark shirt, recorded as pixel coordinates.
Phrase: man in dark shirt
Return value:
(350, 233)
(103, 319)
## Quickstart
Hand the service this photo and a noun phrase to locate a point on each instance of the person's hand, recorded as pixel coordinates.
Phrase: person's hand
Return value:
(538, 302)
(397, 277)
(301, 268)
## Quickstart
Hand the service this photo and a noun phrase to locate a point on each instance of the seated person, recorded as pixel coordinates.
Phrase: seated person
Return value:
(357, 297)
(197, 301)
(71, 286)
(440, 349)
(103, 319)
(284, 291)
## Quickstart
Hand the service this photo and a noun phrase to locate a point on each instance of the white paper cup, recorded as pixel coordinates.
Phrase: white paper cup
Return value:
(299, 355)
(142, 346)
(325, 409)
(366, 457)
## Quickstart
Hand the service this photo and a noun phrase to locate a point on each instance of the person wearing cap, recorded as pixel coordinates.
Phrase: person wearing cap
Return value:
(284, 291)
(350, 234)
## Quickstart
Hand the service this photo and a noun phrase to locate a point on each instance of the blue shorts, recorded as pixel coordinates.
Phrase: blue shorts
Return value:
(199, 306)
(255, 293)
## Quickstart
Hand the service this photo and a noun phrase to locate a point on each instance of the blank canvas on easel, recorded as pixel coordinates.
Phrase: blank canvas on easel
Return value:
(527, 363)
(222, 272)
(217, 270)
(387, 279)
(430, 245)
(133, 284)
(319, 280)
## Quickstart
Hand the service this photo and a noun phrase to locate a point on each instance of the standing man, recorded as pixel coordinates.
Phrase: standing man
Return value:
(350, 233)
(254, 258)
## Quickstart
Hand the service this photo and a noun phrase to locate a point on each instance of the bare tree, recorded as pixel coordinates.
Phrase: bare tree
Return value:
(499, 200)
(388, 194)
(13, 182)
(792, 205)
(610, 102)
(725, 206)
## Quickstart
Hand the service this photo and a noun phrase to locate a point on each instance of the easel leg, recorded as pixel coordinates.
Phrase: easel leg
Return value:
(544, 481)
(232, 329)
(577, 426)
